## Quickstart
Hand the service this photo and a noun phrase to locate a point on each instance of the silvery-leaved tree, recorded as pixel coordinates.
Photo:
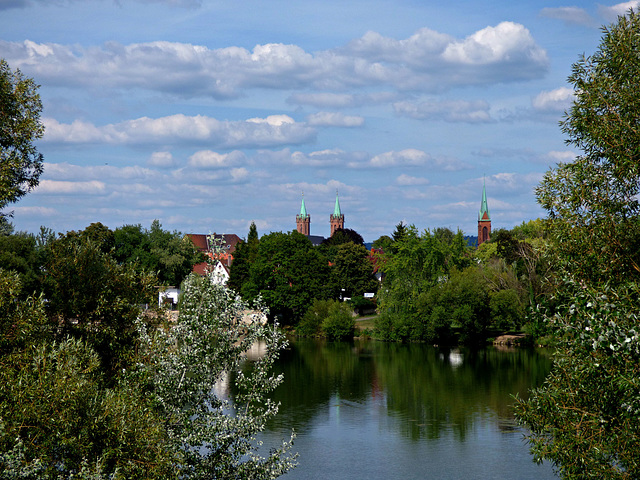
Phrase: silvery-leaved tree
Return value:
(586, 417)
(20, 127)
(213, 432)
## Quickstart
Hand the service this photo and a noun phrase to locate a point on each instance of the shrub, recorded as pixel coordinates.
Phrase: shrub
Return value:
(339, 324)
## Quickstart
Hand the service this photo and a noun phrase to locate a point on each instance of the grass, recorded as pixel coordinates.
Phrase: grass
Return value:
(365, 322)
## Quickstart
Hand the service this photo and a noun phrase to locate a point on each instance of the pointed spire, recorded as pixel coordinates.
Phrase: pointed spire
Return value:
(303, 209)
(484, 207)
(336, 210)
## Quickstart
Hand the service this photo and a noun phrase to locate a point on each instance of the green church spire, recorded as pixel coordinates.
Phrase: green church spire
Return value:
(303, 209)
(484, 208)
(336, 210)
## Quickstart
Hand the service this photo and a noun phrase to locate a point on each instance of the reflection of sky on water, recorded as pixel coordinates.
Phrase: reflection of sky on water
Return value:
(414, 412)
(348, 440)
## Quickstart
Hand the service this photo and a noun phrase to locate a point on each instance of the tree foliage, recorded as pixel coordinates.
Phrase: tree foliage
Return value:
(288, 274)
(165, 413)
(212, 435)
(586, 417)
(593, 201)
(244, 256)
(20, 127)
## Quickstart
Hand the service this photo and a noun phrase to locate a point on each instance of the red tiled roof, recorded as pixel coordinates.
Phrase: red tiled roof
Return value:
(200, 241)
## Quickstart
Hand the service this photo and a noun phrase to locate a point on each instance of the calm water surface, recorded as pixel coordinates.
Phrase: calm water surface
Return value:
(373, 410)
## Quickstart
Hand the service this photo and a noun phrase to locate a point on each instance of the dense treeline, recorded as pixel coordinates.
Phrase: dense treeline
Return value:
(439, 290)
(97, 387)
(288, 273)
(435, 288)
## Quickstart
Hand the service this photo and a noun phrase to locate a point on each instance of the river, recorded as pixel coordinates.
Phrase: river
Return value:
(373, 410)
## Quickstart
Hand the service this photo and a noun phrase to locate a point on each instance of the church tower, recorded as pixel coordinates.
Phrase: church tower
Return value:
(303, 220)
(337, 219)
(484, 220)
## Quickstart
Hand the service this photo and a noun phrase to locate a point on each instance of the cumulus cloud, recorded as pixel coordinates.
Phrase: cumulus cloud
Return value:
(409, 157)
(274, 130)
(407, 180)
(161, 160)
(612, 13)
(449, 111)
(560, 157)
(55, 187)
(334, 119)
(426, 61)
(557, 100)
(208, 159)
(341, 100)
(570, 15)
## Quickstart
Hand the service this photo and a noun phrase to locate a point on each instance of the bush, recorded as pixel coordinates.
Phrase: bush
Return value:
(311, 323)
(507, 311)
(339, 324)
(362, 305)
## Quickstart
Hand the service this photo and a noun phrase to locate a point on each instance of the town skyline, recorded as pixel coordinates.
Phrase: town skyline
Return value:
(208, 115)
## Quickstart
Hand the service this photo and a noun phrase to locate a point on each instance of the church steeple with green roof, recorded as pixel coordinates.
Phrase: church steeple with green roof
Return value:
(337, 218)
(484, 219)
(303, 219)
(303, 209)
(336, 210)
(484, 208)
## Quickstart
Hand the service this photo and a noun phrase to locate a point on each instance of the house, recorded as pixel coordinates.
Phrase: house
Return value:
(220, 249)
(168, 296)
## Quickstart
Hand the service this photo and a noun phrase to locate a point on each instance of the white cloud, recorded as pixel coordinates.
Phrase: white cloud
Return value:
(273, 120)
(611, 14)
(557, 156)
(54, 187)
(508, 43)
(46, 212)
(570, 15)
(409, 157)
(161, 160)
(239, 174)
(255, 132)
(209, 159)
(426, 61)
(557, 100)
(407, 180)
(334, 119)
(449, 111)
(335, 100)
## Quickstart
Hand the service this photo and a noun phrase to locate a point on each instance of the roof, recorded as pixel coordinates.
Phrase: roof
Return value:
(303, 210)
(336, 209)
(484, 207)
(200, 241)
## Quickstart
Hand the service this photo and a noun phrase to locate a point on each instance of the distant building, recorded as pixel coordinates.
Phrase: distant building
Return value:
(337, 218)
(221, 259)
(303, 222)
(484, 219)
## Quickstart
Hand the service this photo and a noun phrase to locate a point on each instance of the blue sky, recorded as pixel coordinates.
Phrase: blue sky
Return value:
(208, 115)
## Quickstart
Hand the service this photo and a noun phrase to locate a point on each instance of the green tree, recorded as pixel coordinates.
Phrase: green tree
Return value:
(19, 253)
(169, 255)
(416, 265)
(586, 418)
(339, 323)
(20, 127)
(214, 436)
(352, 271)
(90, 296)
(288, 274)
(593, 201)
(244, 256)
